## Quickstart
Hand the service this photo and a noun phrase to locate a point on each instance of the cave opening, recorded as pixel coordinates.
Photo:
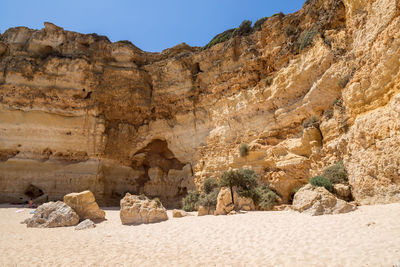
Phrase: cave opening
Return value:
(164, 176)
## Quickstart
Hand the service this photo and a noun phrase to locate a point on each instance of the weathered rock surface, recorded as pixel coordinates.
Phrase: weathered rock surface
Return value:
(319, 201)
(140, 209)
(343, 191)
(79, 112)
(53, 214)
(202, 211)
(179, 213)
(86, 224)
(224, 201)
(246, 204)
(85, 205)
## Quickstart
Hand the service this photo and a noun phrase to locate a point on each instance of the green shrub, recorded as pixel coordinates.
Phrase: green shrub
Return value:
(209, 185)
(306, 39)
(336, 173)
(264, 197)
(209, 200)
(337, 102)
(243, 29)
(259, 23)
(125, 42)
(243, 150)
(322, 182)
(157, 200)
(220, 38)
(190, 202)
(313, 121)
(245, 180)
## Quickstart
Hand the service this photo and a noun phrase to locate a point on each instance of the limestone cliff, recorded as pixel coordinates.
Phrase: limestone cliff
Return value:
(79, 112)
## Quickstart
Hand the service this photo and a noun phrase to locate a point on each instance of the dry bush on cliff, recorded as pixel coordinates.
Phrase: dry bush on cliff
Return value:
(336, 173)
(322, 182)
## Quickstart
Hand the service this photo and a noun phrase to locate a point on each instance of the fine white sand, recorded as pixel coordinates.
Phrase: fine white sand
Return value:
(369, 236)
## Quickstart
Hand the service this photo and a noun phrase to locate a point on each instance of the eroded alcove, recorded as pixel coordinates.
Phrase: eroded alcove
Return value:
(164, 176)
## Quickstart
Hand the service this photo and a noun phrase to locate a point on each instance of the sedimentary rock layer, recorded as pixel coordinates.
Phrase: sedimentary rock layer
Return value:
(79, 112)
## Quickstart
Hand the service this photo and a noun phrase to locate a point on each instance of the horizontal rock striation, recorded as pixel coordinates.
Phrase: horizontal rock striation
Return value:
(78, 112)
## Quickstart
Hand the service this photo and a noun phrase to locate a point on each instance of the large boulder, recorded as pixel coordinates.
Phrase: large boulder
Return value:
(319, 201)
(224, 201)
(140, 209)
(53, 214)
(85, 205)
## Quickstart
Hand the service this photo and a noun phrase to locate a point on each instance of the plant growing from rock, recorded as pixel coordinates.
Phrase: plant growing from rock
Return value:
(190, 202)
(244, 150)
(322, 181)
(157, 200)
(306, 38)
(244, 180)
(259, 23)
(336, 173)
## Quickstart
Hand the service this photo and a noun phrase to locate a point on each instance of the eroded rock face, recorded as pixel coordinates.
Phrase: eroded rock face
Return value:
(319, 201)
(139, 209)
(85, 205)
(53, 214)
(111, 118)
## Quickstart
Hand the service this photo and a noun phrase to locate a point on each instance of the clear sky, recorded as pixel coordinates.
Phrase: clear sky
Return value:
(152, 25)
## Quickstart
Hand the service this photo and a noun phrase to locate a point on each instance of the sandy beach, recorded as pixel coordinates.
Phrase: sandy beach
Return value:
(369, 236)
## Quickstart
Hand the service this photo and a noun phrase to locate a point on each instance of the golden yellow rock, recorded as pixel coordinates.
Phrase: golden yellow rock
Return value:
(85, 205)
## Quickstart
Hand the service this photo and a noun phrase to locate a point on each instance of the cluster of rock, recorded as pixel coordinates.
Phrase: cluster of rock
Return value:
(226, 206)
(76, 207)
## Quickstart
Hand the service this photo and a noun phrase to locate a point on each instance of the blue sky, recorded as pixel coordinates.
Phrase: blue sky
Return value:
(152, 25)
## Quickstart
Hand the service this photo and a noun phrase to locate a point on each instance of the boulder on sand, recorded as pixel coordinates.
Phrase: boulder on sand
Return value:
(319, 201)
(224, 201)
(139, 209)
(85, 205)
(53, 214)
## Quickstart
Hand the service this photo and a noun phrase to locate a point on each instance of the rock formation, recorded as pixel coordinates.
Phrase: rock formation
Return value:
(79, 112)
(224, 201)
(53, 214)
(140, 209)
(85, 205)
(319, 201)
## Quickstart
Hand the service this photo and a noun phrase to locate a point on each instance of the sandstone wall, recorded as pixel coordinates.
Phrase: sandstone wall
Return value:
(78, 112)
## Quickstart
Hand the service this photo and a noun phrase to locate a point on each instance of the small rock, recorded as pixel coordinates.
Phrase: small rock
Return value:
(178, 213)
(232, 212)
(86, 224)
